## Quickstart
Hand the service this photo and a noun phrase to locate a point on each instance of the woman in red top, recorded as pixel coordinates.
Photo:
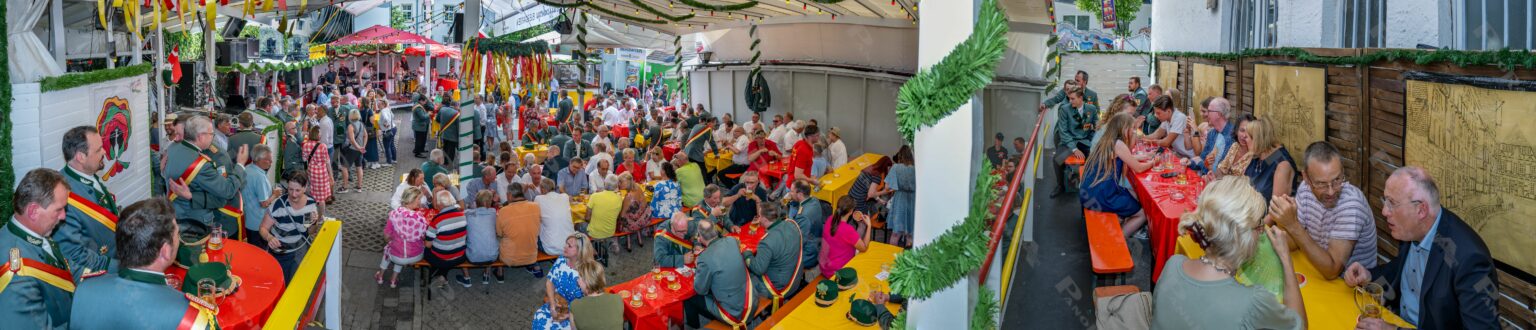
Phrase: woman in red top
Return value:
(637, 169)
(762, 152)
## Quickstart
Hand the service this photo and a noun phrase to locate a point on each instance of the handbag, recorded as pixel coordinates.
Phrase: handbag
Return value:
(1124, 311)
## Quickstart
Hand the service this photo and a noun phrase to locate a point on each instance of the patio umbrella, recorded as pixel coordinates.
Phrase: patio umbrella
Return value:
(379, 34)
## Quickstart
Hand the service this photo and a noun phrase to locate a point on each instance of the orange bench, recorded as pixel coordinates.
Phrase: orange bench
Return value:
(1106, 243)
(424, 269)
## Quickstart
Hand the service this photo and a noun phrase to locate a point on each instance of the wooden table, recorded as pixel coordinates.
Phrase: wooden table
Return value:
(798, 313)
(1164, 200)
(538, 152)
(665, 308)
(838, 181)
(261, 283)
(1330, 303)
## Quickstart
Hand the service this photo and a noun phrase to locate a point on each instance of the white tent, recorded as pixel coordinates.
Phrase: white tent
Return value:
(29, 59)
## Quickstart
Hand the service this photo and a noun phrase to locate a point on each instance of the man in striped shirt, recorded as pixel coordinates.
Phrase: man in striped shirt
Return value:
(446, 232)
(1328, 219)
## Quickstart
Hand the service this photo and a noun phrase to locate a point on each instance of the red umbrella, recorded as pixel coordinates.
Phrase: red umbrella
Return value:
(379, 34)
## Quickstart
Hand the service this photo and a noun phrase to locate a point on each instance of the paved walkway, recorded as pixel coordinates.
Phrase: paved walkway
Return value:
(367, 305)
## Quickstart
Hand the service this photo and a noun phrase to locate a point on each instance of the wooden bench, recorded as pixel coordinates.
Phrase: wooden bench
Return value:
(757, 311)
(424, 269)
(1106, 243)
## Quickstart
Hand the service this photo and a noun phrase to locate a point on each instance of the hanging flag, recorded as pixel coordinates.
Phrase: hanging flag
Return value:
(1108, 13)
(212, 12)
(173, 59)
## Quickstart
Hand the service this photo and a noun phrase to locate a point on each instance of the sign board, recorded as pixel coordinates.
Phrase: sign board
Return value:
(530, 15)
(317, 52)
(1108, 14)
(631, 54)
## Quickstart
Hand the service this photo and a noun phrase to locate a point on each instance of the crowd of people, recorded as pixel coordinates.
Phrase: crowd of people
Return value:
(1257, 194)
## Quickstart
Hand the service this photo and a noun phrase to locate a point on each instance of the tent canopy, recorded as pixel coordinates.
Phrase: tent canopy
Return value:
(379, 34)
(438, 51)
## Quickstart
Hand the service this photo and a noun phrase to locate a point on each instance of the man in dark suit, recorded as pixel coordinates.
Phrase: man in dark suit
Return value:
(1442, 277)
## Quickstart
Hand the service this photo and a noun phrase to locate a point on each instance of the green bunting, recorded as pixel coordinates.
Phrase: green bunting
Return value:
(77, 79)
(937, 91)
(508, 48)
(730, 7)
(260, 67)
(7, 170)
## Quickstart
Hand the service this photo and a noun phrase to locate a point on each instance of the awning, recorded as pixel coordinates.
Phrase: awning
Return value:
(438, 51)
(382, 35)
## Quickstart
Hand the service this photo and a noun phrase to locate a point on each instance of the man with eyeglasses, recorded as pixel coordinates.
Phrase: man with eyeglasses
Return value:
(1213, 136)
(1442, 275)
(1328, 219)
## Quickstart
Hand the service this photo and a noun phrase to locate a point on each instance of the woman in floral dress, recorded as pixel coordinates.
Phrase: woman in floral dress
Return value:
(572, 272)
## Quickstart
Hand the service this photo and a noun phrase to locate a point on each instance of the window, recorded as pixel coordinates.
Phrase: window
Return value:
(1080, 22)
(1253, 24)
(1364, 22)
(1493, 24)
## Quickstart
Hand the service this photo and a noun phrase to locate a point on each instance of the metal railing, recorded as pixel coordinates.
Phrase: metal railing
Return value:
(1009, 198)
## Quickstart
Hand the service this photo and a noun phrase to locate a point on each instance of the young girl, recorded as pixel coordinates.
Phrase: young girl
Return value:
(405, 229)
(1103, 188)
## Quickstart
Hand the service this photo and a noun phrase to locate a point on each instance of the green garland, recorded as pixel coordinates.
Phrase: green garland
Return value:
(269, 67)
(983, 315)
(669, 17)
(920, 272)
(618, 14)
(730, 7)
(508, 48)
(1505, 59)
(7, 170)
(77, 79)
(598, 7)
(937, 91)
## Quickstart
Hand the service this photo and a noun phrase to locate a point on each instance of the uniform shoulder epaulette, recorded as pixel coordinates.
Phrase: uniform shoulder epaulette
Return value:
(89, 274)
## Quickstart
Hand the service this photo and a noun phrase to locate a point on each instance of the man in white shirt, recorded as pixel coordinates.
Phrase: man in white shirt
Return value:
(554, 218)
(602, 136)
(755, 124)
(776, 133)
(601, 176)
(612, 115)
(837, 153)
(600, 152)
(792, 136)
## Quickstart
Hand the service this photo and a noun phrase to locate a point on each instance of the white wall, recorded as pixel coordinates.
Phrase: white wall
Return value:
(1300, 23)
(40, 121)
(1413, 22)
(1186, 25)
(861, 45)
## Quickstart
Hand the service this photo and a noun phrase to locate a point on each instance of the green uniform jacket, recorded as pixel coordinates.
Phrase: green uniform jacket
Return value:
(245, 138)
(669, 253)
(701, 213)
(103, 301)
(212, 186)
(778, 257)
(565, 110)
(419, 119)
(810, 215)
(450, 125)
(226, 161)
(695, 147)
(722, 277)
(293, 156)
(430, 170)
(1144, 109)
(1069, 125)
(88, 244)
(1089, 97)
(27, 302)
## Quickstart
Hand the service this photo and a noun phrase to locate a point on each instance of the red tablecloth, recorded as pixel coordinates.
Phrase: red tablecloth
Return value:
(1157, 195)
(447, 84)
(261, 284)
(620, 131)
(670, 148)
(750, 236)
(667, 306)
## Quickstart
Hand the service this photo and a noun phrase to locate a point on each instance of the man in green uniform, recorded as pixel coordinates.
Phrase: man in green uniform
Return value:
(36, 285)
(85, 236)
(775, 266)
(721, 282)
(565, 108)
(1075, 122)
(148, 244)
(1079, 81)
(809, 214)
(247, 136)
(1144, 97)
(212, 185)
(674, 244)
(420, 121)
(713, 208)
(448, 138)
(697, 139)
(432, 167)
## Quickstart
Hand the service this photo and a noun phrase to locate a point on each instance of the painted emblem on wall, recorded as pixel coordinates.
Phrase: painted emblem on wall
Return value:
(115, 126)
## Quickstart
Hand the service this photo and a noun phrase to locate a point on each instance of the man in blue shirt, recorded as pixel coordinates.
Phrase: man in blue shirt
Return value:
(1443, 273)
(573, 180)
(1214, 136)
(257, 194)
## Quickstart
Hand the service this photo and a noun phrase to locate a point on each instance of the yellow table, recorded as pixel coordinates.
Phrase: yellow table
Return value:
(807, 315)
(836, 183)
(453, 178)
(1330, 303)
(714, 162)
(538, 152)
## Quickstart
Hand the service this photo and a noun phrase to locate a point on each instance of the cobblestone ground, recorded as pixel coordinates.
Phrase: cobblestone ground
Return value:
(368, 305)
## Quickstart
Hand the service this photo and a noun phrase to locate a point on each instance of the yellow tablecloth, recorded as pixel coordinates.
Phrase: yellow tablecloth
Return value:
(1330, 304)
(836, 183)
(538, 152)
(453, 178)
(714, 162)
(579, 209)
(809, 316)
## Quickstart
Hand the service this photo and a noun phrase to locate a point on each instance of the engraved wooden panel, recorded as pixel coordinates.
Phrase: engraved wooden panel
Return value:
(1292, 97)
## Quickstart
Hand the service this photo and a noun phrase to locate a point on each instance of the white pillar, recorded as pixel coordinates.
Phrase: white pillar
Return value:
(56, 30)
(950, 144)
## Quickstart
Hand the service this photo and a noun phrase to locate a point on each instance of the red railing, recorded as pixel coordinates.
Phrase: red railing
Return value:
(1011, 193)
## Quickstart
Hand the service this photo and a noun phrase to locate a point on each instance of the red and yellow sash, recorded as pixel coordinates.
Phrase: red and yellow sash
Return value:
(94, 211)
(746, 309)
(197, 316)
(41, 271)
(675, 240)
(236, 211)
(695, 137)
(191, 172)
(794, 277)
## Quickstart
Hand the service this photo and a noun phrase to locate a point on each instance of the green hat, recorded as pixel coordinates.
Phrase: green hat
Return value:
(847, 278)
(194, 235)
(217, 272)
(862, 312)
(826, 293)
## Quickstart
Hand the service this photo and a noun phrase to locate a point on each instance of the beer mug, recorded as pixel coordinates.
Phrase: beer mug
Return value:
(207, 289)
(1368, 299)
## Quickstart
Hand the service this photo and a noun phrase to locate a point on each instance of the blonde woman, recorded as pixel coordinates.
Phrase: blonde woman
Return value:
(1105, 170)
(1227, 222)
(570, 279)
(1272, 172)
(1237, 155)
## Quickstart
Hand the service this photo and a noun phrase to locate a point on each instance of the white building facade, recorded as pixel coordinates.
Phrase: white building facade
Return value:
(1229, 26)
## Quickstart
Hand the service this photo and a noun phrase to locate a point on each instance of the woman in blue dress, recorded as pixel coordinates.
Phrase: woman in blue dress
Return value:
(1105, 187)
(902, 180)
(573, 275)
(669, 198)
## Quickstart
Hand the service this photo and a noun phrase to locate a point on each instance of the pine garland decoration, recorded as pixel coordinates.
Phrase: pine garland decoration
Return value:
(77, 79)
(7, 170)
(508, 48)
(659, 13)
(662, 17)
(937, 91)
(580, 54)
(730, 7)
(1504, 59)
(923, 271)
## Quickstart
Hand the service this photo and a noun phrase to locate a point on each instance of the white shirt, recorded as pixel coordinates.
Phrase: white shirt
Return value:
(599, 139)
(592, 162)
(613, 116)
(502, 183)
(777, 134)
(599, 182)
(790, 138)
(387, 120)
(752, 126)
(837, 154)
(554, 221)
(739, 149)
(47, 247)
(653, 170)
